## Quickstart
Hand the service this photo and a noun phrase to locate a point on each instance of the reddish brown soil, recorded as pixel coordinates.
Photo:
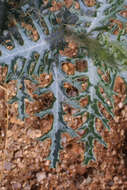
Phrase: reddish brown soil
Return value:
(23, 161)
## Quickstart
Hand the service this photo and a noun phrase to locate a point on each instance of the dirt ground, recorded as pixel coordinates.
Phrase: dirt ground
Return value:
(23, 163)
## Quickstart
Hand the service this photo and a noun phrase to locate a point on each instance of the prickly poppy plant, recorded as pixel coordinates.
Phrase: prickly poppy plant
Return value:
(34, 37)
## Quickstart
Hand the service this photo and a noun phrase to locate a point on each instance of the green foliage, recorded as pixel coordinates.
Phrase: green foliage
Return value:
(98, 46)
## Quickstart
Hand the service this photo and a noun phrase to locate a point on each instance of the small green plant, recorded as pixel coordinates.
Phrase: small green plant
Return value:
(27, 55)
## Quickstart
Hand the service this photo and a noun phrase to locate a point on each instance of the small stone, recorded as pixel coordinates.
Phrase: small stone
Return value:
(122, 132)
(34, 133)
(16, 186)
(7, 166)
(64, 140)
(88, 180)
(110, 183)
(40, 176)
(120, 105)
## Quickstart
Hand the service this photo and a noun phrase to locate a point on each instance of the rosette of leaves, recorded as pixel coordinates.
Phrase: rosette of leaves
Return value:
(31, 39)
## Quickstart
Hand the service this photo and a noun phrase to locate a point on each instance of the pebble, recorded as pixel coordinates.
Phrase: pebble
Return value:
(34, 133)
(40, 176)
